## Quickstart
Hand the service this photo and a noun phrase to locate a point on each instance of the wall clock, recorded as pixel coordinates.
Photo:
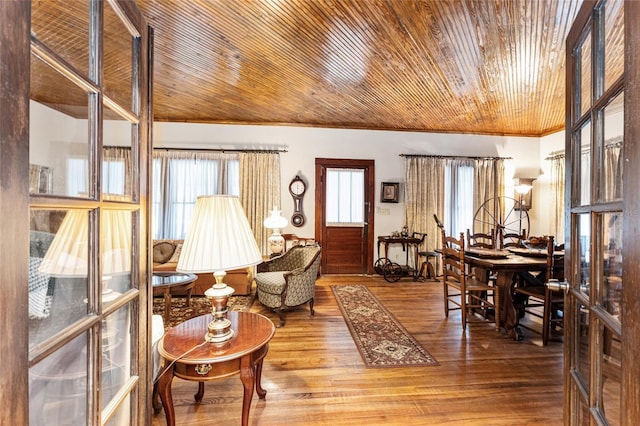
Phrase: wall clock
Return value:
(297, 188)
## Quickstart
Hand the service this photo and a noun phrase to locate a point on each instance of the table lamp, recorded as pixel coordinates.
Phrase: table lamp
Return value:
(68, 254)
(275, 222)
(219, 239)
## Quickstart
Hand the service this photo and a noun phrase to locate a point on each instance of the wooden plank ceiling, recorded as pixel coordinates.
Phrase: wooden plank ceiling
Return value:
(462, 66)
(485, 67)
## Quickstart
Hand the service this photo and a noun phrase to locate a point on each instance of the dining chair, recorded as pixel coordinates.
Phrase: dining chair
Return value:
(481, 239)
(485, 241)
(532, 296)
(511, 239)
(462, 290)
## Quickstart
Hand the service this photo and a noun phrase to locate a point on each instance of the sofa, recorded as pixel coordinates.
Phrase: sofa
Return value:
(165, 259)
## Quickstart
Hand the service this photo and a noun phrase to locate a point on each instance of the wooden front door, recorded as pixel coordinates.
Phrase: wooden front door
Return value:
(601, 211)
(344, 218)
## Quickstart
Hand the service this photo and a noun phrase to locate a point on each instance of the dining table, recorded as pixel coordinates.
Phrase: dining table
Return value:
(506, 264)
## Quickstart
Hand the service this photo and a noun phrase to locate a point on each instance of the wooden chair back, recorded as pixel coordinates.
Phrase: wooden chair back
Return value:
(481, 239)
(453, 266)
(511, 239)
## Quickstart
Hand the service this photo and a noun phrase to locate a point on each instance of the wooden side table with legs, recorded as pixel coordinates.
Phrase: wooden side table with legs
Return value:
(189, 357)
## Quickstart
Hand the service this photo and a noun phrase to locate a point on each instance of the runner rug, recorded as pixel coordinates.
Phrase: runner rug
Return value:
(380, 338)
(199, 305)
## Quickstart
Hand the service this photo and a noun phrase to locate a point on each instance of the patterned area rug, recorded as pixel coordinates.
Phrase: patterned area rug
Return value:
(199, 306)
(380, 338)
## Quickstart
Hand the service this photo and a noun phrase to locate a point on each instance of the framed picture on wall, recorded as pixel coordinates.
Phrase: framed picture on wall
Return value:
(390, 191)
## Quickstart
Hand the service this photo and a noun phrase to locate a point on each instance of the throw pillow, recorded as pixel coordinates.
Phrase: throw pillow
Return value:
(176, 254)
(163, 251)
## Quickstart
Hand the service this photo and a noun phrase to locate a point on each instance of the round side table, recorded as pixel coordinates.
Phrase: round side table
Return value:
(191, 358)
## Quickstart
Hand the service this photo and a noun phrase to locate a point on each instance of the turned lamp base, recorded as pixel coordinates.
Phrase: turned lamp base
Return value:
(219, 330)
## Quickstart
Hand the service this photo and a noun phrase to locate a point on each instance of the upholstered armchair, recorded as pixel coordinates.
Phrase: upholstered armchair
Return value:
(289, 280)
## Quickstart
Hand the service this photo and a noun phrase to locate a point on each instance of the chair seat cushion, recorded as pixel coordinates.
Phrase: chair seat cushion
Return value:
(271, 282)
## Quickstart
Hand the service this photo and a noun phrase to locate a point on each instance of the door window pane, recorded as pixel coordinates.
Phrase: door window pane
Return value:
(612, 169)
(611, 377)
(584, 72)
(583, 360)
(58, 130)
(64, 27)
(115, 249)
(116, 363)
(584, 184)
(614, 41)
(117, 62)
(345, 197)
(117, 159)
(611, 294)
(584, 244)
(58, 386)
(58, 271)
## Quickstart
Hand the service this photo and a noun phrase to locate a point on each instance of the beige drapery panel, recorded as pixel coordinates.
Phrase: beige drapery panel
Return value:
(556, 206)
(613, 171)
(123, 154)
(489, 185)
(424, 197)
(259, 190)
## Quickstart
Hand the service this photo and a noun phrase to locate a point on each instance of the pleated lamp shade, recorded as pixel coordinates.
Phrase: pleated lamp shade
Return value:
(68, 254)
(219, 238)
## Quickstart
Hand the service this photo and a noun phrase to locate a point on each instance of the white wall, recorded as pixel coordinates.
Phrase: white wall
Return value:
(305, 144)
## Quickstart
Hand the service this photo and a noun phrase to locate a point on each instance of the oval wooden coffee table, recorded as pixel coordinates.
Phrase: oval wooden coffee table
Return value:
(190, 358)
(166, 282)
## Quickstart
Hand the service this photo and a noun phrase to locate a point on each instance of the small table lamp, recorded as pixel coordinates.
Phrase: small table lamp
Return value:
(68, 254)
(276, 222)
(219, 239)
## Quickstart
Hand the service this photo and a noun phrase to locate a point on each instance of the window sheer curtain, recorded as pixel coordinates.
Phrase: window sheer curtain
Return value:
(259, 190)
(458, 210)
(179, 178)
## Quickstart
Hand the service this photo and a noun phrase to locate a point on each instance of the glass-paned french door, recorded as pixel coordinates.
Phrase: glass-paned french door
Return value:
(88, 155)
(599, 321)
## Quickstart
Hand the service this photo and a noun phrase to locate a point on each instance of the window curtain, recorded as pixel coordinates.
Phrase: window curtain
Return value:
(489, 185)
(458, 212)
(116, 170)
(424, 197)
(259, 190)
(556, 206)
(613, 171)
(179, 178)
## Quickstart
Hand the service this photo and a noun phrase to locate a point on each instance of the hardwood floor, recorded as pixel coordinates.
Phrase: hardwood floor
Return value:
(314, 374)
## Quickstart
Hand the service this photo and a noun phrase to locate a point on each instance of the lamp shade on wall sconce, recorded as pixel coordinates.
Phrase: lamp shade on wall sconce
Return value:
(276, 222)
(219, 239)
(523, 193)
